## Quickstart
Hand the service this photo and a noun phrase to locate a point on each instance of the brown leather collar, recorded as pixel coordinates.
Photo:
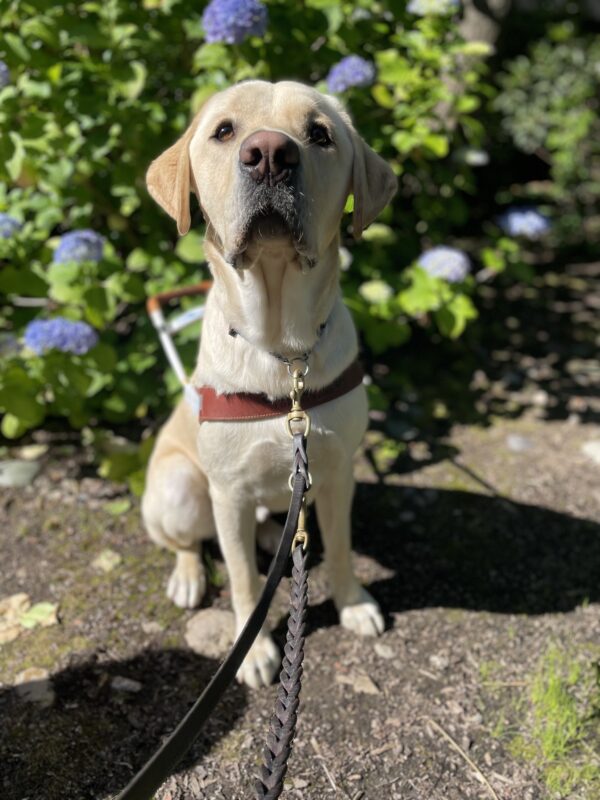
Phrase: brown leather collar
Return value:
(245, 406)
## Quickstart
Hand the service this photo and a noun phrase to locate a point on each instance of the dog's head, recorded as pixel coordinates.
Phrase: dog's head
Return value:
(271, 164)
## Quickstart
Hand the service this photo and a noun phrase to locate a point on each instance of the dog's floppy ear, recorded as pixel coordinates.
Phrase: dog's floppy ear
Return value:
(373, 184)
(169, 179)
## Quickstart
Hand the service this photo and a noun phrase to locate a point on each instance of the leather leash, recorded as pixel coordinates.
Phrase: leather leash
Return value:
(293, 540)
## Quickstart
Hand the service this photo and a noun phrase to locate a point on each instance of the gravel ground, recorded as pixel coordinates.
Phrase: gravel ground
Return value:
(481, 562)
(482, 543)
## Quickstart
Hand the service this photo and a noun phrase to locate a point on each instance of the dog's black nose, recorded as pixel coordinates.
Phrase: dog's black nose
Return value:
(269, 155)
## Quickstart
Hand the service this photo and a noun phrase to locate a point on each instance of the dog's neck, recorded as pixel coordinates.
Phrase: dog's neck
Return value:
(276, 306)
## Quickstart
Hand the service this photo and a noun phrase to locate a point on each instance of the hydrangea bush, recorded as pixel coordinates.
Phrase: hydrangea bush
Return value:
(91, 93)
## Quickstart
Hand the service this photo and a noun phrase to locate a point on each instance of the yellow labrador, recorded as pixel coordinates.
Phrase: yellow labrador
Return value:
(272, 166)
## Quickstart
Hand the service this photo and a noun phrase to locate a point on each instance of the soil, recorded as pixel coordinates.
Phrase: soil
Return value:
(481, 541)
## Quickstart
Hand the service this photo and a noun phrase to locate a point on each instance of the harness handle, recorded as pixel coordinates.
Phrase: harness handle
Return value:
(158, 300)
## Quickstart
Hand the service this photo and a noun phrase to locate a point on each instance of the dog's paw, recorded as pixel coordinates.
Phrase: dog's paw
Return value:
(261, 664)
(187, 583)
(363, 617)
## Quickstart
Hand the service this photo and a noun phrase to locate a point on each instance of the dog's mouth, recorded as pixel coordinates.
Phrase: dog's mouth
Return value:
(269, 224)
(273, 217)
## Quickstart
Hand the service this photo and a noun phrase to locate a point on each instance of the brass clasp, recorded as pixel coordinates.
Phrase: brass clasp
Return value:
(301, 535)
(296, 413)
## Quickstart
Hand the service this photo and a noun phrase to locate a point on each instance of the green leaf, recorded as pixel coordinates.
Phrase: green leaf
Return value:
(190, 248)
(493, 259)
(12, 427)
(118, 507)
(452, 318)
(43, 614)
(137, 260)
(382, 96)
(15, 162)
(16, 45)
(379, 233)
(437, 144)
(423, 295)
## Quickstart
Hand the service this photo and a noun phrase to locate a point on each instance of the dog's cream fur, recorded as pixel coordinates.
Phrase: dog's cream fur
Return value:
(276, 291)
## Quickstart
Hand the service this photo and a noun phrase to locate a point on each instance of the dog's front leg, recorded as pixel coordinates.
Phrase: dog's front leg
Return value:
(236, 528)
(358, 611)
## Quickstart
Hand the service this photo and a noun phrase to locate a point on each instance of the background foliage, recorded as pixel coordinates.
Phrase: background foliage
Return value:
(98, 89)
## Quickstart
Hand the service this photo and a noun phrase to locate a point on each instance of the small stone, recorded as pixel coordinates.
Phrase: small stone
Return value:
(34, 686)
(121, 684)
(384, 650)
(439, 662)
(592, 450)
(31, 452)
(15, 473)
(540, 398)
(210, 632)
(152, 627)
(517, 443)
(361, 683)
(107, 560)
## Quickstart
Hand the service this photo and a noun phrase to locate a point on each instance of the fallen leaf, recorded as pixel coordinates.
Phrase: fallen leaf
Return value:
(42, 614)
(361, 683)
(118, 507)
(13, 606)
(107, 560)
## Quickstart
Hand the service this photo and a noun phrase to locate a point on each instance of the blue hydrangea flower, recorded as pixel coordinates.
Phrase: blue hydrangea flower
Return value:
(350, 71)
(4, 74)
(423, 7)
(232, 21)
(8, 226)
(83, 245)
(445, 262)
(525, 221)
(60, 334)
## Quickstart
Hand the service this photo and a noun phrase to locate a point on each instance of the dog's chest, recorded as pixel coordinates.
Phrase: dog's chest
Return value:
(253, 459)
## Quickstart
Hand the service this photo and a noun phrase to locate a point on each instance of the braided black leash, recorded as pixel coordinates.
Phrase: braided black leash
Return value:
(283, 722)
(293, 539)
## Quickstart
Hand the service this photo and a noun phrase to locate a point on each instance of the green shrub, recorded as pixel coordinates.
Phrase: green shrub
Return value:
(549, 101)
(98, 89)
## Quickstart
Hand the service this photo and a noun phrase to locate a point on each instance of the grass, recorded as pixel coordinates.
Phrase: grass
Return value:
(562, 722)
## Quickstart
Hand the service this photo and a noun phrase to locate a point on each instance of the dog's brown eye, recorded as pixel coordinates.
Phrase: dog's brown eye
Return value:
(224, 132)
(318, 134)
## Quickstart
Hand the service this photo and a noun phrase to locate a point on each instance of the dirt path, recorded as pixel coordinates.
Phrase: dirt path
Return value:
(479, 533)
(487, 563)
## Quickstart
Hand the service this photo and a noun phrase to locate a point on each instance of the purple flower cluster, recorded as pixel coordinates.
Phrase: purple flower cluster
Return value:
(83, 245)
(525, 221)
(445, 262)
(60, 334)
(4, 75)
(8, 226)
(350, 71)
(232, 21)
(421, 8)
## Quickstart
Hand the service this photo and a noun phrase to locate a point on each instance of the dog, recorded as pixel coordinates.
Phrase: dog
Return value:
(272, 166)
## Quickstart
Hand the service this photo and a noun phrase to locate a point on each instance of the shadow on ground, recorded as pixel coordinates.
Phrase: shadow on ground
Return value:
(93, 739)
(471, 551)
